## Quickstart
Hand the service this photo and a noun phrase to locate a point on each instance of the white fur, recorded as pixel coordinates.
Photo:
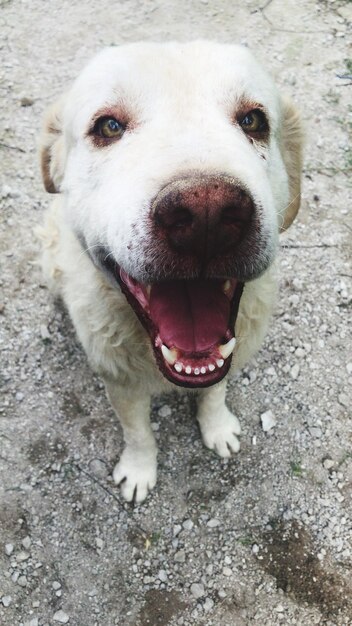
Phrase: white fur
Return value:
(183, 96)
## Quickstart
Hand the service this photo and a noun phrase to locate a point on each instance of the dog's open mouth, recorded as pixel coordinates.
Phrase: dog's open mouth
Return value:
(190, 324)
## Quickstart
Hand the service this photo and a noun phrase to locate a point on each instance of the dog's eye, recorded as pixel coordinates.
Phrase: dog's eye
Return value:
(254, 122)
(109, 128)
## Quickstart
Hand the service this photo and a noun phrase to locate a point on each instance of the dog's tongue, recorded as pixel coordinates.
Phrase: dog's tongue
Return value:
(190, 315)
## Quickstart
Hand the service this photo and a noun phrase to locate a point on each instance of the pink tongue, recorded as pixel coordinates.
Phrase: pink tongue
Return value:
(190, 315)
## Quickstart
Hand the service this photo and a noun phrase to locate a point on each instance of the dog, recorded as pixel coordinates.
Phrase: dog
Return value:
(176, 166)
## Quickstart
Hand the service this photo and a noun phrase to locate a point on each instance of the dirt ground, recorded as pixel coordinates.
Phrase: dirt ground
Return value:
(265, 538)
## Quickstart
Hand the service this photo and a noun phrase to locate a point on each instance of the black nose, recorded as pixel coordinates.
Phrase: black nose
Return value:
(205, 216)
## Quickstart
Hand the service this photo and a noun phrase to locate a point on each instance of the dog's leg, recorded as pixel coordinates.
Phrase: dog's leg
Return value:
(219, 427)
(136, 470)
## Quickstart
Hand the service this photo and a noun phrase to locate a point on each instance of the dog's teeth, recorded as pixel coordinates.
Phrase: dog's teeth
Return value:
(203, 370)
(220, 362)
(227, 348)
(226, 286)
(188, 369)
(196, 371)
(148, 289)
(178, 367)
(211, 367)
(170, 356)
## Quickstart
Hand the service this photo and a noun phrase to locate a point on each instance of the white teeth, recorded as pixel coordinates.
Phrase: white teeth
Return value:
(178, 367)
(211, 367)
(227, 348)
(226, 286)
(203, 370)
(220, 362)
(188, 369)
(196, 371)
(170, 356)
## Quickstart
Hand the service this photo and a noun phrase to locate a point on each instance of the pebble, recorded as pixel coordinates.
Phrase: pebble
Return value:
(268, 420)
(26, 102)
(8, 549)
(328, 463)
(294, 371)
(213, 523)
(26, 543)
(56, 585)
(98, 468)
(61, 617)
(32, 622)
(162, 576)
(164, 411)
(100, 543)
(22, 556)
(197, 590)
(22, 581)
(180, 556)
(188, 524)
(208, 605)
(227, 571)
(6, 601)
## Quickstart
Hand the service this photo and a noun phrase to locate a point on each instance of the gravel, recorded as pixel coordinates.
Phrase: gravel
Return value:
(264, 538)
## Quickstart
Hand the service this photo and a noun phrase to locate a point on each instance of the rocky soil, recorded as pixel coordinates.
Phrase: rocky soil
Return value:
(265, 538)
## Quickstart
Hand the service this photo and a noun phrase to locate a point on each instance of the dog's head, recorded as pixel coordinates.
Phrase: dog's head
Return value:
(178, 165)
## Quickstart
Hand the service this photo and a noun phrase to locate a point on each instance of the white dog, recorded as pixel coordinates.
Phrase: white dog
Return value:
(176, 167)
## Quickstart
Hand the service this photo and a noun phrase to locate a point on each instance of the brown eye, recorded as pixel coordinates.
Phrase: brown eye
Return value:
(254, 122)
(108, 128)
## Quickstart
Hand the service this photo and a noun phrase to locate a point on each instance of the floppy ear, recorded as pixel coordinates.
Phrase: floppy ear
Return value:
(291, 150)
(52, 148)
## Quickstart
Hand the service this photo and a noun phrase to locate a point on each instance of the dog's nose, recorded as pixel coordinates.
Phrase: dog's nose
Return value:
(205, 216)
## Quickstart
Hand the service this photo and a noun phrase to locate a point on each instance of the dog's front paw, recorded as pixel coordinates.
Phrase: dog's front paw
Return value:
(219, 432)
(136, 473)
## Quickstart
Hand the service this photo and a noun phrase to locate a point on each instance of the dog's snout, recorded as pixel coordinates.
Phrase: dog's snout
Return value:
(205, 217)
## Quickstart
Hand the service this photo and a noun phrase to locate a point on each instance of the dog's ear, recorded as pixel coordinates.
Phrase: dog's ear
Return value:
(291, 149)
(52, 147)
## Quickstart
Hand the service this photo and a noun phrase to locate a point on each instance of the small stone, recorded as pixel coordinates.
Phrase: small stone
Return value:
(294, 371)
(164, 411)
(343, 399)
(6, 601)
(19, 396)
(8, 549)
(26, 543)
(61, 617)
(328, 464)
(177, 529)
(22, 581)
(227, 571)
(162, 576)
(316, 432)
(98, 468)
(22, 556)
(213, 523)
(56, 585)
(44, 332)
(255, 548)
(100, 543)
(33, 622)
(180, 556)
(208, 605)
(26, 102)
(188, 524)
(197, 590)
(268, 420)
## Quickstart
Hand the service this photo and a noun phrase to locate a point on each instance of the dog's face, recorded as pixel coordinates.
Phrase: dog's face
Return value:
(178, 164)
